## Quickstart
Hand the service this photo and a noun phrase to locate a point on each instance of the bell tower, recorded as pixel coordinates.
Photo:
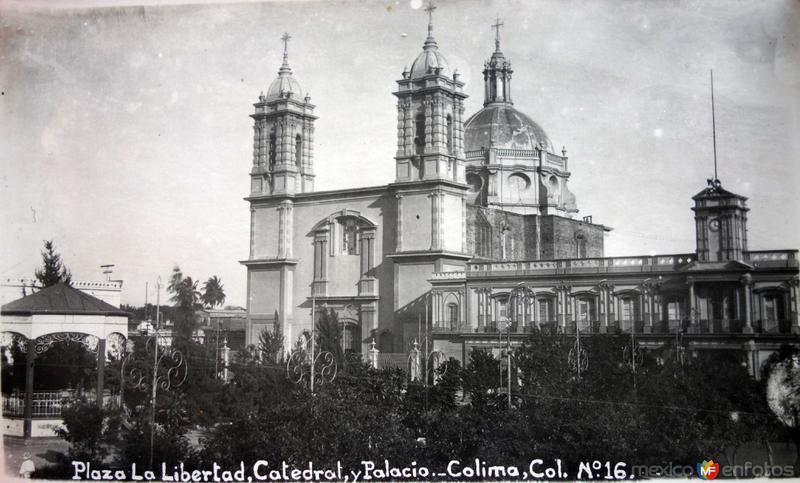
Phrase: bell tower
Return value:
(283, 139)
(430, 117)
(721, 221)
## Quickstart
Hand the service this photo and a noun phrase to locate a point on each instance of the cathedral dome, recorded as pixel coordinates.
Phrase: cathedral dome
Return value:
(284, 86)
(428, 60)
(506, 126)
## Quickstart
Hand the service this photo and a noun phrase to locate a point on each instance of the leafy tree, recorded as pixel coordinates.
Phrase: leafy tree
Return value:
(53, 270)
(270, 343)
(86, 428)
(329, 335)
(782, 372)
(213, 292)
(481, 379)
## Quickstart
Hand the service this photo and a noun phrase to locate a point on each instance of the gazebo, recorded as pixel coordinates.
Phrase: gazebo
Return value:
(37, 322)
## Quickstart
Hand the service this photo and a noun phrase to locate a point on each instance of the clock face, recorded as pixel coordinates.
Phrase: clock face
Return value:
(714, 224)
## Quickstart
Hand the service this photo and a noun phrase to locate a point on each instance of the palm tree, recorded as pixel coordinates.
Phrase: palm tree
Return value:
(175, 280)
(213, 292)
(185, 296)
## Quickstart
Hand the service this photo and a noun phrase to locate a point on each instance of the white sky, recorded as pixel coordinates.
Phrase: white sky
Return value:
(125, 136)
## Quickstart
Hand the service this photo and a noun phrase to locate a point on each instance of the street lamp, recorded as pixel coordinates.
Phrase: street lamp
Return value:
(169, 370)
(303, 364)
(577, 358)
(517, 294)
(433, 361)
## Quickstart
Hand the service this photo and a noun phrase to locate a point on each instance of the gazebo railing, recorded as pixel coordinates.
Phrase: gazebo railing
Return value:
(49, 403)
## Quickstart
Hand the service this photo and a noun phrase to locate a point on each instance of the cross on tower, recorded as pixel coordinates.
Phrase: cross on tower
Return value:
(497, 26)
(286, 37)
(430, 8)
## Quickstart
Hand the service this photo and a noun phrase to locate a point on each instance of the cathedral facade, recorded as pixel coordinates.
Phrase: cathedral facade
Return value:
(480, 205)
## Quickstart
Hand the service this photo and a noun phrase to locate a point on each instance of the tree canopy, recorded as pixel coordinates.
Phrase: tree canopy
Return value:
(53, 271)
(213, 292)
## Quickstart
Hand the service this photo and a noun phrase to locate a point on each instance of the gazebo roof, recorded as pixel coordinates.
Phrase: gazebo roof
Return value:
(60, 299)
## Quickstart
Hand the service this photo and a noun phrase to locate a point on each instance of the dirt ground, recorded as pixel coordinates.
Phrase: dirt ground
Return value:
(43, 452)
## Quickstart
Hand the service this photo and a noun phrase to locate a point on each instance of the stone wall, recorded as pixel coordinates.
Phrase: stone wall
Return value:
(529, 237)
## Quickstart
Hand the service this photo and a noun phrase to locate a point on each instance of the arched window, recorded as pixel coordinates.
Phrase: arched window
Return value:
(298, 150)
(272, 148)
(450, 134)
(580, 245)
(547, 311)
(773, 306)
(347, 337)
(674, 308)
(553, 190)
(586, 312)
(629, 311)
(349, 236)
(452, 315)
(419, 139)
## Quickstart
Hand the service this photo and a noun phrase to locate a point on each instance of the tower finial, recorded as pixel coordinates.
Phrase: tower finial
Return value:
(497, 26)
(430, 8)
(714, 127)
(286, 37)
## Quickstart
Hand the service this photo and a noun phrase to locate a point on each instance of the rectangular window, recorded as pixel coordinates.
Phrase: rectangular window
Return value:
(769, 308)
(452, 315)
(546, 310)
(349, 237)
(627, 310)
(674, 309)
(502, 309)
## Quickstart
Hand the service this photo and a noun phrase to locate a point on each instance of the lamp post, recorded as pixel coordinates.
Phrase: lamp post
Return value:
(169, 370)
(578, 359)
(303, 364)
(433, 361)
(519, 293)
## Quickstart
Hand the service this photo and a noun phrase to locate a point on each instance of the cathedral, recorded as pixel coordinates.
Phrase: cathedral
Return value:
(479, 207)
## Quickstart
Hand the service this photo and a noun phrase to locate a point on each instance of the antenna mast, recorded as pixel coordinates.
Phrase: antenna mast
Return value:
(714, 126)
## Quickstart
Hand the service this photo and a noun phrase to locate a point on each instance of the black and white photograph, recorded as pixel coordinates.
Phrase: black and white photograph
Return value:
(400, 240)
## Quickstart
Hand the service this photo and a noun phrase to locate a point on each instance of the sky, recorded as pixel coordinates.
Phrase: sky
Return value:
(125, 133)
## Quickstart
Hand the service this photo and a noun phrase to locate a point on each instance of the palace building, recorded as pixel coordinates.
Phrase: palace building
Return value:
(479, 207)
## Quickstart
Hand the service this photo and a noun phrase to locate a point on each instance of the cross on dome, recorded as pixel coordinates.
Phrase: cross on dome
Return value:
(286, 38)
(497, 26)
(430, 8)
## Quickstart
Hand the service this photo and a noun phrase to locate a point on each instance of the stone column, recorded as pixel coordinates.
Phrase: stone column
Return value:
(252, 232)
(399, 240)
(428, 124)
(256, 143)
(101, 370)
(463, 224)
(30, 361)
(436, 117)
(415, 369)
(794, 304)
(692, 307)
(409, 128)
(747, 283)
(373, 355)
(604, 307)
(279, 142)
(437, 201)
(401, 125)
